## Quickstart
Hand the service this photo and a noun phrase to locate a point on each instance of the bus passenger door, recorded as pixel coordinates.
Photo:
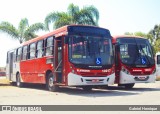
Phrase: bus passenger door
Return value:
(58, 60)
(10, 65)
(117, 63)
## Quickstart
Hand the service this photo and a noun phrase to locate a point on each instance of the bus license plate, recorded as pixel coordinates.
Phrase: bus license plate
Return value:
(95, 80)
(142, 77)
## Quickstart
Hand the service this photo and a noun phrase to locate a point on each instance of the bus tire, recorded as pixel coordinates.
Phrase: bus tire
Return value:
(13, 83)
(50, 83)
(128, 86)
(87, 88)
(18, 81)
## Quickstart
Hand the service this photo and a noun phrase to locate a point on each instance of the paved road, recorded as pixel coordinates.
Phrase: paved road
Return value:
(36, 94)
(141, 94)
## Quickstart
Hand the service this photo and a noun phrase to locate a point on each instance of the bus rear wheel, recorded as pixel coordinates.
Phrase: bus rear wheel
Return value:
(13, 83)
(50, 83)
(18, 81)
(128, 86)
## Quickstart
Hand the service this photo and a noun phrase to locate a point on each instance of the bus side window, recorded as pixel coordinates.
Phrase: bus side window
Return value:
(49, 46)
(24, 53)
(14, 55)
(40, 49)
(31, 52)
(18, 54)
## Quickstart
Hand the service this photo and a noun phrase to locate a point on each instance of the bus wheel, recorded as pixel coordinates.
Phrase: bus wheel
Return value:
(13, 83)
(128, 86)
(50, 83)
(18, 81)
(87, 88)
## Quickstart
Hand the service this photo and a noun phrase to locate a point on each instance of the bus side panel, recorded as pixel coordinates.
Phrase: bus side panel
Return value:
(16, 69)
(7, 71)
(41, 67)
(66, 65)
(33, 71)
(27, 71)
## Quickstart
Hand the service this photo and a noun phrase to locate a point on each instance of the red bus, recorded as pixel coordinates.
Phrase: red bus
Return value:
(73, 55)
(134, 61)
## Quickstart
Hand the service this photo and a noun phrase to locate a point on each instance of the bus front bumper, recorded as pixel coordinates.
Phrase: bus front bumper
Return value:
(77, 80)
(127, 79)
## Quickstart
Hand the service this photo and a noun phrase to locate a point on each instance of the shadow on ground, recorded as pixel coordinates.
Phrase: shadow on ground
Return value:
(80, 92)
(109, 91)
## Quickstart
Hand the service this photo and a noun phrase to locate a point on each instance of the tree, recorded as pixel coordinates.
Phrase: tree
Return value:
(128, 33)
(154, 37)
(141, 34)
(154, 34)
(88, 15)
(24, 31)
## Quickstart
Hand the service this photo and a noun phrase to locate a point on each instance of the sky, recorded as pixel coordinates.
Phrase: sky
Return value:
(119, 16)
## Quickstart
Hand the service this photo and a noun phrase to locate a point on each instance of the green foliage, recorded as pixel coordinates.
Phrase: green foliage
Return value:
(153, 35)
(88, 15)
(24, 31)
(141, 34)
(128, 33)
(9, 29)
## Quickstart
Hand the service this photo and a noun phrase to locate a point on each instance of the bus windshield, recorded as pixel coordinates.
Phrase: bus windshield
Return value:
(136, 51)
(90, 50)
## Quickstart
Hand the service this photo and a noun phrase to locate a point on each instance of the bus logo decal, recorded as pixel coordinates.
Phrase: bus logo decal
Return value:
(98, 61)
(143, 61)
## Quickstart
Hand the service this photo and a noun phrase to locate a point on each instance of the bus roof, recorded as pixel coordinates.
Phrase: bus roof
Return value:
(58, 32)
(124, 36)
(61, 30)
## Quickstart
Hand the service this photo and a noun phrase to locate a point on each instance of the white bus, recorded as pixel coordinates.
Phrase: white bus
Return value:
(157, 64)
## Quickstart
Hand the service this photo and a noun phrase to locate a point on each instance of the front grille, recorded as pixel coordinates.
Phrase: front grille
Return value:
(87, 74)
(94, 80)
(93, 74)
(140, 73)
(139, 79)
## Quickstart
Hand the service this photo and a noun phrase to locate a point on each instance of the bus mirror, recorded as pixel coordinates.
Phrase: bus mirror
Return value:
(116, 54)
(66, 40)
(117, 48)
(158, 59)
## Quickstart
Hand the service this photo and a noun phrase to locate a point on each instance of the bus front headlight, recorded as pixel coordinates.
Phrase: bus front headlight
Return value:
(125, 70)
(154, 71)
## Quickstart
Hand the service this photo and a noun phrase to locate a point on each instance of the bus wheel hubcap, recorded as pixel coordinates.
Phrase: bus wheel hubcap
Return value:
(50, 82)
